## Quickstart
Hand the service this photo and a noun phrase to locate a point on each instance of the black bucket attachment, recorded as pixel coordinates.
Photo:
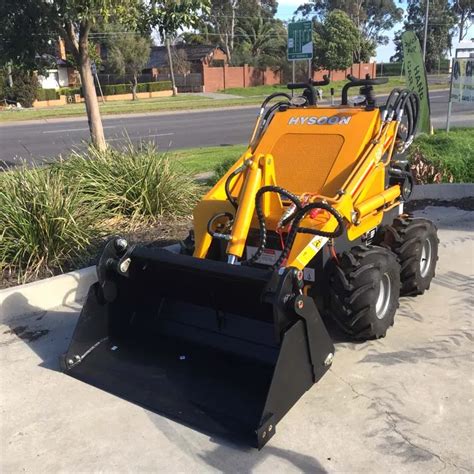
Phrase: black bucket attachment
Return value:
(223, 348)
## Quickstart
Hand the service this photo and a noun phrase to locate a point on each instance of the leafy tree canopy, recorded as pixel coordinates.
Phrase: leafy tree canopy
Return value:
(373, 18)
(333, 50)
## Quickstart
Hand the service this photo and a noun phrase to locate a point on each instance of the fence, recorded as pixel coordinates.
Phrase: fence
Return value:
(191, 82)
(226, 77)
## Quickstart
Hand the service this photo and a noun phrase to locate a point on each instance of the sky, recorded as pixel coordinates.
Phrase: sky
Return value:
(286, 9)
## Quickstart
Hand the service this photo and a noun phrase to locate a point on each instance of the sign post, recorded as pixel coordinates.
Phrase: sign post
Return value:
(461, 87)
(300, 43)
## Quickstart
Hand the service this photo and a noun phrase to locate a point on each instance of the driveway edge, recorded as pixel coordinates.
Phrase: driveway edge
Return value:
(43, 295)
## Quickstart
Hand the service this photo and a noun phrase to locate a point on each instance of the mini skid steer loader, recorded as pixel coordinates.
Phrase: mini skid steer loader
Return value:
(226, 331)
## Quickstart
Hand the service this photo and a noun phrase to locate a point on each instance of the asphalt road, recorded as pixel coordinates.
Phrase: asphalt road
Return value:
(34, 141)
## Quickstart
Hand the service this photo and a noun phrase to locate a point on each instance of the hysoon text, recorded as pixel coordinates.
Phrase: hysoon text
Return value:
(324, 120)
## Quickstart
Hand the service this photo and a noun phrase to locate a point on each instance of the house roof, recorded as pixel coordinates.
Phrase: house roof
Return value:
(194, 52)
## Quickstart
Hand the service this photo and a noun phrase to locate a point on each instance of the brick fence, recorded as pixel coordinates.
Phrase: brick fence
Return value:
(225, 77)
(358, 70)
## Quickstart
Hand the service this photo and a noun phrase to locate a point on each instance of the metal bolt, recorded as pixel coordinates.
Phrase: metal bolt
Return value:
(121, 245)
(270, 428)
(300, 304)
(264, 434)
(77, 358)
(299, 275)
(329, 358)
(124, 265)
(70, 362)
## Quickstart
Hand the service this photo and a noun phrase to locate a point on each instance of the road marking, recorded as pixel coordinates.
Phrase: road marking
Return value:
(75, 129)
(141, 136)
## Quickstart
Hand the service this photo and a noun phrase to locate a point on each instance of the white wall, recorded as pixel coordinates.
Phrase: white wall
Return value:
(50, 80)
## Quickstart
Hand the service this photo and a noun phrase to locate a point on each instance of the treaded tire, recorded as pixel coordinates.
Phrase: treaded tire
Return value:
(406, 238)
(354, 289)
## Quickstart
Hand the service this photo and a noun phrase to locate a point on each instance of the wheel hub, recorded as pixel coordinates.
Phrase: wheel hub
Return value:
(425, 258)
(383, 299)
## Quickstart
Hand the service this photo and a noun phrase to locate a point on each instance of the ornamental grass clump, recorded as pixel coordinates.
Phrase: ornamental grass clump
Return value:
(45, 222)
(137, 183)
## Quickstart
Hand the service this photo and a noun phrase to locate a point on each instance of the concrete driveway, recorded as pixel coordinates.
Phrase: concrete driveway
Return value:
(400, 404)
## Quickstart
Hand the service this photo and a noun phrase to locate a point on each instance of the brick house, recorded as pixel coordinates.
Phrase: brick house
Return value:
(197, 55)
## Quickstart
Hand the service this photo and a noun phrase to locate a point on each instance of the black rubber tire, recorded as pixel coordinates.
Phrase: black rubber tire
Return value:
(406, 237)
(354, 287)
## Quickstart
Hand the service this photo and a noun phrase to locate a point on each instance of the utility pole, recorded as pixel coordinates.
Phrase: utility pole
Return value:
(425, 35)
(170, 61)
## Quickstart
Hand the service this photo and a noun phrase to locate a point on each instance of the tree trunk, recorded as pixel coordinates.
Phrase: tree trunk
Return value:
(134, 87)
(80, 49)
(92, 104)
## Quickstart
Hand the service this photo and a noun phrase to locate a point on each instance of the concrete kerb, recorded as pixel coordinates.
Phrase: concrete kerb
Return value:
(443, 192)
(72, 287)
(43, 295)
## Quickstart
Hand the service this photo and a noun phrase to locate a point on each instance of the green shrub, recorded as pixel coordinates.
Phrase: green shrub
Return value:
(221, 169)
(47, 94)
(159, 86)
(25, 88)
(69, 91)
(141, 87)
(139, 183)
(107, 90)
(444, 157)
(123, 89)
(45, 221)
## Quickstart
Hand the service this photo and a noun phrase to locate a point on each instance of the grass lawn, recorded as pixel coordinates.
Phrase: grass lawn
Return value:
(200, 160)
(263, 91)
(181, 102)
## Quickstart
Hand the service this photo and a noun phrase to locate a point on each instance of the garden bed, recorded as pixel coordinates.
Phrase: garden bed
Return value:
(57, 218)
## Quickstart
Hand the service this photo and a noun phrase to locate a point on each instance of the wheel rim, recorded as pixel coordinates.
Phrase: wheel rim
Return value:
(425, 258)
(383, 299)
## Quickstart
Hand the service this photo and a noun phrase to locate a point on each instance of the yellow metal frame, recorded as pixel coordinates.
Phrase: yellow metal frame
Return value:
(361, 200)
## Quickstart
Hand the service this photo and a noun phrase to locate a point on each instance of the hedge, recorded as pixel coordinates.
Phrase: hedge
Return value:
(116, 89)
(395, 68)
(47, 94)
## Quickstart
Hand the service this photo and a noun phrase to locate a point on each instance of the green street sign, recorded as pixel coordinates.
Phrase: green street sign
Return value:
(300, 40)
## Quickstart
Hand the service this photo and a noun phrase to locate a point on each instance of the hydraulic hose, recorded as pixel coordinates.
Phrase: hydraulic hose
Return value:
(261, 217)
(229, 179)
(295, 229)
(295, 218)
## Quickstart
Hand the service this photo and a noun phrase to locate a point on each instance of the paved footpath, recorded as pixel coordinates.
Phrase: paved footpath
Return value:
(402, 404)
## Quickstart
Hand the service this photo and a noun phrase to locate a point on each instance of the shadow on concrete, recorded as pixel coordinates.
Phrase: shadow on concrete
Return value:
(47, 333)
(230, 457)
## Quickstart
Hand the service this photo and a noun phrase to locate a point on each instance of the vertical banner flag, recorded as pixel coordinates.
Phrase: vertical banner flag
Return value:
(415, 74)
(463, 80)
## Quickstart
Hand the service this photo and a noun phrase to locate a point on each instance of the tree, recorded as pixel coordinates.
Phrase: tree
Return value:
(335, 40)
(128, 54)
(24, 88)
(262, 42)
(464, 11)
(441, 22)
(180, 60)
(373, 18)
(222, 16)
(174, 15)
(73, 20)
